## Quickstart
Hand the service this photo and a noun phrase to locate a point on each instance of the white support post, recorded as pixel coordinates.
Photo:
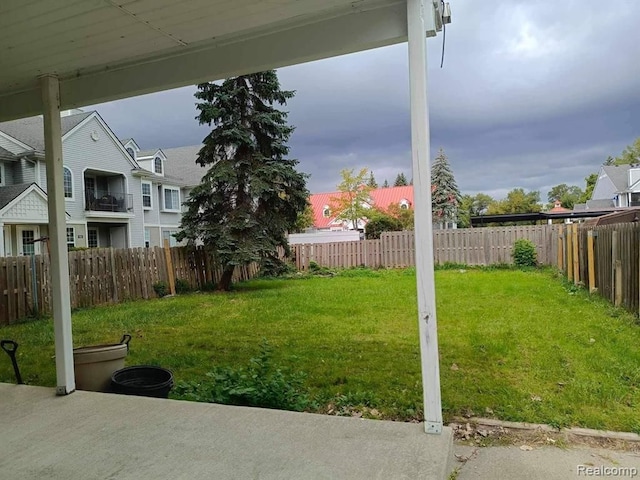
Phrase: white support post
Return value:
(57, 233)
(423, 218)
(2, 239)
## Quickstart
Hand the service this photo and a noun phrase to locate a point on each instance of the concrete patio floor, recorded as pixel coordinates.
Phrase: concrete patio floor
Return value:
(90, 435)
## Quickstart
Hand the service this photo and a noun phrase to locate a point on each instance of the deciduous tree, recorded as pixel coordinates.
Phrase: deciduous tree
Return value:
(305, 219)
(353, 202)
(473, 206)
(630, 154)
(590, 181)
(517, 201)
(568, 195)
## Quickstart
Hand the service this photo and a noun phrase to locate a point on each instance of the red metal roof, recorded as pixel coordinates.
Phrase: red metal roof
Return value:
(382, 198)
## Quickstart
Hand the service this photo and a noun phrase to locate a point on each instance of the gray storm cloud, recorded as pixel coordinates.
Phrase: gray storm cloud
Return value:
(532, 94)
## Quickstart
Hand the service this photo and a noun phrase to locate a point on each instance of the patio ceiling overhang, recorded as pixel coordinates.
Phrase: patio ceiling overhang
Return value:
(71, 53)
(107, 50)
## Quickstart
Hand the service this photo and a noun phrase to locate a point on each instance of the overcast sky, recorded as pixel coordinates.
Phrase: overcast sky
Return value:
(532, 94)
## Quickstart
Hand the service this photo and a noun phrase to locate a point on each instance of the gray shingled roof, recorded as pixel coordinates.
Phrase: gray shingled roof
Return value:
(619, 175)
(147, 153)
(8, 193)
(5, 153)
(600, 204)
(181, 163)
(31, 130)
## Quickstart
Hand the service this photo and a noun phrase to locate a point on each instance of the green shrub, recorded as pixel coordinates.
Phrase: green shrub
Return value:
(261, 384)
(524, 253)
(161, 288)
(182, 286)
(380, 224)
(315, 269)
(272, 266)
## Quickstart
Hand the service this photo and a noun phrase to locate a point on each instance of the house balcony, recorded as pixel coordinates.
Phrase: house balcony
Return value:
(108, 205)
(105, 201)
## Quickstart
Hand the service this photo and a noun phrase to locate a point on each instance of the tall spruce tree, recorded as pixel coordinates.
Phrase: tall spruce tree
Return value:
(251, 194)
(372, 181)
(445, 196)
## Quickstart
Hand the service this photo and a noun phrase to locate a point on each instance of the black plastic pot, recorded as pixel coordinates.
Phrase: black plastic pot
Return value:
(143, 380)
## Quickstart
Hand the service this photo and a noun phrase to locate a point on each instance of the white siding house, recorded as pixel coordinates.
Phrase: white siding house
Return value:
(161, 195)
(116, 195)
(102, 186)
(617, 186)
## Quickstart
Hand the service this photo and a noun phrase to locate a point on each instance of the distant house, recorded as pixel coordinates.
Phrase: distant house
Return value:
(101, 186)
(324, 219)
(617, 186)
(163, 190)
(116, 195)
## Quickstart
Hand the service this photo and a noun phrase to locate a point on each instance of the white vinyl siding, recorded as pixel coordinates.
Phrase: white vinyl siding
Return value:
(82, 154)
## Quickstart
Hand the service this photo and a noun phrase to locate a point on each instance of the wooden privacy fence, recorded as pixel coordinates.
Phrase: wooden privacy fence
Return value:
(605, 259)
(103, 275)
(477, 246)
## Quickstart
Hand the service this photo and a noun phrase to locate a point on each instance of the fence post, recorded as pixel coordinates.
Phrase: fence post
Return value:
(590, 262)
(167, 256)
(114, 275)
(34, 285)
(614, 258)
(569, 251)
(576, 255)
(560, 250)
(618, 270)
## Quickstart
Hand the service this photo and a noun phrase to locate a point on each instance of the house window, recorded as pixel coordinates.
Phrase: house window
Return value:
(635, 200)
(171, 199)
(92, 238)
(28, 244)
(131, 152)
(68, 183)
(146, 195)
(325, 211)
(169, 235)
(71, 238)
(147, 237)
(157, 165)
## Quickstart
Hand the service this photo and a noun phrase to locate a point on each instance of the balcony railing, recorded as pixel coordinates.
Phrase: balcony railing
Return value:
(105, 201)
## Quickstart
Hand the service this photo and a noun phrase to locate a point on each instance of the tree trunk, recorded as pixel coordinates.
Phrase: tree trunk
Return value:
(225, 280)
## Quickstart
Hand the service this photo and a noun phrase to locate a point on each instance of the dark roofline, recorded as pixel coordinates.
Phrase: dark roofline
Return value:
(484, 220)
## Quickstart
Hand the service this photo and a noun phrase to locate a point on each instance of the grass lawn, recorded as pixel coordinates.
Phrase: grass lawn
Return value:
(513, 345)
